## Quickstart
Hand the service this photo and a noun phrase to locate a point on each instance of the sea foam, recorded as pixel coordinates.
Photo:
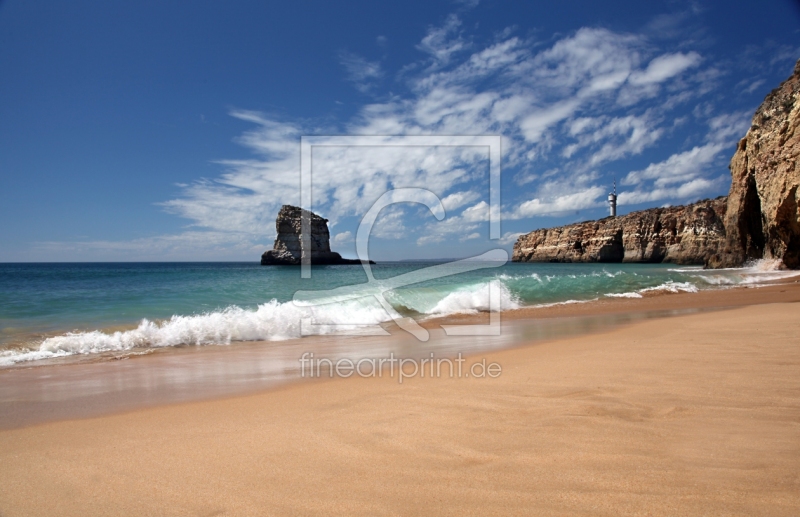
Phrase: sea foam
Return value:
(667, 287)
(275, 320)
(271, 321)
(474, 298)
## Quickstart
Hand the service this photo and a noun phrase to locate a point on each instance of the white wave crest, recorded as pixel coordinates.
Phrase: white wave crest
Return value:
(763, 265)
(474, 298)
(624, 295)
(755, 272)
(762, 278)
(270, 321)
(672, 287)
(716, 279)
(567, 302)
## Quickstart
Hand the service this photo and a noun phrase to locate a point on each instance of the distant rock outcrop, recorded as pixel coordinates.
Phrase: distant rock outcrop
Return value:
(763, 220)
(680, 234)
(287, 250)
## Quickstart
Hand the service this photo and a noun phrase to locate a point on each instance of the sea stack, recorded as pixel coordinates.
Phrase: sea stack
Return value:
(288, 247)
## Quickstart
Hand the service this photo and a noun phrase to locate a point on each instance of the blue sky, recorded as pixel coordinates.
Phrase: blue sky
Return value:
(170, 130)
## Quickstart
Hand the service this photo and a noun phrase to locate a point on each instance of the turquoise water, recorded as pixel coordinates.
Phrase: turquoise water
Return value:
(52, 310)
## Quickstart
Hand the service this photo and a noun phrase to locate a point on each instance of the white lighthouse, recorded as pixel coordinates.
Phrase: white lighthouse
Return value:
(612, 201)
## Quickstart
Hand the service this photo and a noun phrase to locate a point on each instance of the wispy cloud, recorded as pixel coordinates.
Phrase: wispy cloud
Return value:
(185, 246)
(571, 110)
(360, 71)
(559, 205)
(664, 67)
(441, 43)
(343, 237)
(459, 199)
(678, 168)
(687, 190)
(689, 173)
(509, 238)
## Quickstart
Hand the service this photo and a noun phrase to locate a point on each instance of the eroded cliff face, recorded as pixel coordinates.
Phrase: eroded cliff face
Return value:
(288, 247)
(763, 219)
(680, 234)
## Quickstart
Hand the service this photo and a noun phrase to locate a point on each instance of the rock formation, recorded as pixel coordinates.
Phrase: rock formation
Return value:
(763, 219)
(680, 234)
(287, 250)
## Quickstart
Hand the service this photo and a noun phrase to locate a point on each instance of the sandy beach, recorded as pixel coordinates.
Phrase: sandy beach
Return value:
(696, 414)
(454, 258)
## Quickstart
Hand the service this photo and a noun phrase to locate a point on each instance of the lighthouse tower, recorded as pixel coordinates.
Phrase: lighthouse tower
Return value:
(612, 201)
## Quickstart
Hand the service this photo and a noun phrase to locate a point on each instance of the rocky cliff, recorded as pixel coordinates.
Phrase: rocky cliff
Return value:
(287, 250)
(680, 234)
(763, 219)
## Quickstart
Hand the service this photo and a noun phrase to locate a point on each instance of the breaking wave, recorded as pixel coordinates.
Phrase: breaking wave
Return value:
(666, 287)
(271, 321)
(515, 287)
(755, 272)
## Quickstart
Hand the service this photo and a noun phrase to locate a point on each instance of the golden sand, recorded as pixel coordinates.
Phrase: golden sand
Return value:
(690, 415)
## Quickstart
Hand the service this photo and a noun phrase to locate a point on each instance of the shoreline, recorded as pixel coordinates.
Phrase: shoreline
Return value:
(112, 383)
(202, 321)
(656, 301)
(233, 324)
(720, 298)
(691, 414)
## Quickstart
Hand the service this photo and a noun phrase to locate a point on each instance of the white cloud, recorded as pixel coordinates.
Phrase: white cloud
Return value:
(582, 124)
(440, 230)
(685, 175)
(644, 84)
(491, 60)
(562, 83)
(567, 108)
(460, 225)
(442, 42)
(510, 238)
(590, 61)
(587, 198)
(729, 127)
(753, 85)
(479, 212)
(242, 199)
(619, 136)
(359, 70)
(535, 124)
(677, 168)
(389, 224)
(665, 67)
(459, 199)
(685, 192)
(342, 238)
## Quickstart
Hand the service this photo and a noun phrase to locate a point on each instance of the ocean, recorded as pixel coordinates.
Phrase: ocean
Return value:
(52, 310)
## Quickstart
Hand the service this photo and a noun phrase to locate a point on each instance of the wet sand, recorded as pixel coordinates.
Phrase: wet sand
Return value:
(689, 414)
